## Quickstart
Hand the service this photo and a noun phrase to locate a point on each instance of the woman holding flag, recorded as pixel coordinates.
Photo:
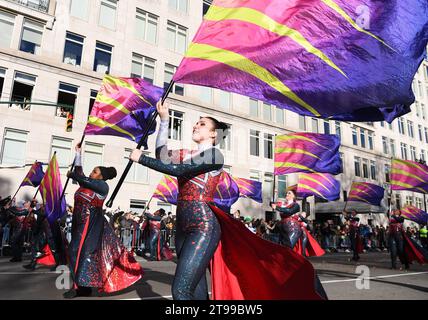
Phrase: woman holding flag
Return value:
(97, 258)
(205, 235)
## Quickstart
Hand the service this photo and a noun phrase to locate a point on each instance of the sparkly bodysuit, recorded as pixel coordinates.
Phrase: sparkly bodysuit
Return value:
(290, 226)
(396, 240)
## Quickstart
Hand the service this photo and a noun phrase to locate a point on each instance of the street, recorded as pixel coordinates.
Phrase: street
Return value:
(338, 275)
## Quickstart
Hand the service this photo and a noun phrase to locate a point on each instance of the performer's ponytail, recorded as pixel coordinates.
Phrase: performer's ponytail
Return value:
(221, 127)
(108, 173)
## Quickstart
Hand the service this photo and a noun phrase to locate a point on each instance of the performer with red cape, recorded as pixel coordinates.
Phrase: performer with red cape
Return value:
(243, 266)
(158, 247)
(307, 245)
(357, 245)
(97, 257)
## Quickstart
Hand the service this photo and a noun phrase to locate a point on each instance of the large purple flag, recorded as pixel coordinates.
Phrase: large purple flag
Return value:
(34, 175)
(320, 185)
(307, 152)
(415, 214)
(342, 59)
(366, 192)
(409, 175)
(249, 189)
(123, 108)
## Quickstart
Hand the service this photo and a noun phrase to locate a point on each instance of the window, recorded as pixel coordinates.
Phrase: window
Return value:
(23, 86)
(421, 138)
(169, 73)
(67, 95)
(354, 137)
(426, 134)
(398, 200)
(423, 156)
(268, 145)
(254, 108)
(31, 38)
(385, 145)
(179, 5)
(363, 137)
(254, 143)
(268, 186)
(102, 57)
(401, 125)
(2, 75)
(206, 6)
(342, 161)
(146, 27)
(7, 22)
(373, 170)
(326, 127)
(302, 123)
(137, 206)
(62, 147)
(315, 128)
(419, 203)
(279, 115)
(282, 186)
(93, 157)
(365, 168)
(176, 37)
(390, 126)
(382, 124)
(255, 175)
(73, 49)
(403, 151)
(409, 200)
(108, 14)
(421, 91)
(267, 111)
(137, 173)
(226, 142)
(413, 153)
(387, 172)
(175, 125)
(392, 145)
(206, 94)
(92, 99)
(410, 128)
(423, 111)
(143, 67)
(14, 147)
(79, 9)
(357, 166)
(418, 109)
(370, 139)
(224, 99)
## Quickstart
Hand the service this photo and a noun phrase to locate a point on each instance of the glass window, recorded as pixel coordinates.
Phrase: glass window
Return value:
(143, 67)
(146, 26)
(67, 95)
(423, 111)
(137, 205)
(175, 125)
(92, 157)
(254, 108)
(419, 203)
(7, 22)
(410, 128)
(176, 37)
(392, 145)
(225, 143)
(354, 137)
(79, 9)
(137, 173)
(326, 127)
(382, 124)
(255, 175)
(409, 200)
(302, 123)
(224, 99)
(420, 131)
(373, 170)
(403, 151)
(413, 153)
(62, 147)
(31, 38)
(206, 94)
(282, 186)
(426, 134)
(102, 58)
(92, 99)
(22, 91)
(169, 73)
(418, 109)
(267, 111)
(73, 49)
(423, 155)
(179, 5)
(338, 129)
(14, 147)
(206, 6)
(363, 137)
(279, 115)
(268, 186)
(357, 166)
(387, 172)
(370, 140)
(385, 145)
(401, 126)
(108, 14)
(255, 143)
(2, 75)
(365, 168)
(268, 146)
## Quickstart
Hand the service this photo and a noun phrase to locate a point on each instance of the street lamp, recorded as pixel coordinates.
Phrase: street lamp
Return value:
(422, 161)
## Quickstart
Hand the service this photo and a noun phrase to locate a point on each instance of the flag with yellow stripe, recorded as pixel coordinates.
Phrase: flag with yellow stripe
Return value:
(409, 175)
(366, 192)
(320, 185)
(123, 108)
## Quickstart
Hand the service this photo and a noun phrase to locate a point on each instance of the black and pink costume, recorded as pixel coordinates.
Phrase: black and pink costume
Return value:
(355, 237)
(97, 258)
(290, 226)
(396, 241)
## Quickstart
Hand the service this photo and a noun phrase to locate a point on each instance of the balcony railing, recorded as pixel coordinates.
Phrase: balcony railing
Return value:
(39, 5)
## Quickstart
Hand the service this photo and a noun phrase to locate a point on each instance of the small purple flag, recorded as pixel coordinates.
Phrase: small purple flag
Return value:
(249, 189)
(415, 214)
(320, 185)
(366, 192)
(34, 176)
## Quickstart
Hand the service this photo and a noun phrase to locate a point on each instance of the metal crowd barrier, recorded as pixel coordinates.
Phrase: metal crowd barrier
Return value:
(132, 239)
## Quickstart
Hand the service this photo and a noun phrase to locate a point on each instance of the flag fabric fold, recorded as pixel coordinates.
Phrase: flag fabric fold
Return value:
(51, 190)
(415, 214)
(339, 59)
(249, 189)
(123, 108)
(409, 175)
(366, 192)
(167, 190)
(320, 185)
(307, 153)
(34, 176)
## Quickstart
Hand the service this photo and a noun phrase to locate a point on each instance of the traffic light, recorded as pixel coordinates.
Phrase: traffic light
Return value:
(69, 126)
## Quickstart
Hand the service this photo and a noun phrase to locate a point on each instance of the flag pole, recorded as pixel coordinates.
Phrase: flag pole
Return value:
(152, 121)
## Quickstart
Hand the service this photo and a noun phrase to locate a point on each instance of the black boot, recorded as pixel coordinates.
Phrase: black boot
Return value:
(79, 292)
(31, 266)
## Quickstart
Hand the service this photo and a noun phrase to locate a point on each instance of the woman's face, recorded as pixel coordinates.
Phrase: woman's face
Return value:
(290, 196)
(96, 174)
(203, 131)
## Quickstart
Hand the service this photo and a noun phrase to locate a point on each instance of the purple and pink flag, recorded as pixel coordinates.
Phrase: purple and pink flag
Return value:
(51, 190)
(249, 189)
(366, 192)
(167, 190)
(347, 60)
(307, 153)
(415, 214)
(320, 185)
(409, 175)
(34, 176)
(123, 108)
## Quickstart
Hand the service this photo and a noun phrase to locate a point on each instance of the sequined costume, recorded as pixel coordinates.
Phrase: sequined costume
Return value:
(158, 248)
(290, 225)
(200, 238)
(355, 237)
(97, 257)
(307, 245)
(20, 222)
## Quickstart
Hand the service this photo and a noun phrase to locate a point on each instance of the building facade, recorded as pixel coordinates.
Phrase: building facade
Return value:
(55, 53)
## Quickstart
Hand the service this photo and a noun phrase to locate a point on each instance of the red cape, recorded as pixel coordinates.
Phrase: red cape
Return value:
(47, 259)
(313, 249)
(247, 267)
(412, 252)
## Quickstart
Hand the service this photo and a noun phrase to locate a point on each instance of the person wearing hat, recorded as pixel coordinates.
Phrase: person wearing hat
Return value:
(97, 257)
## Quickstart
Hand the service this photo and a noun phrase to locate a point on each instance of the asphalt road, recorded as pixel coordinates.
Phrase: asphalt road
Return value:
(340, 279)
